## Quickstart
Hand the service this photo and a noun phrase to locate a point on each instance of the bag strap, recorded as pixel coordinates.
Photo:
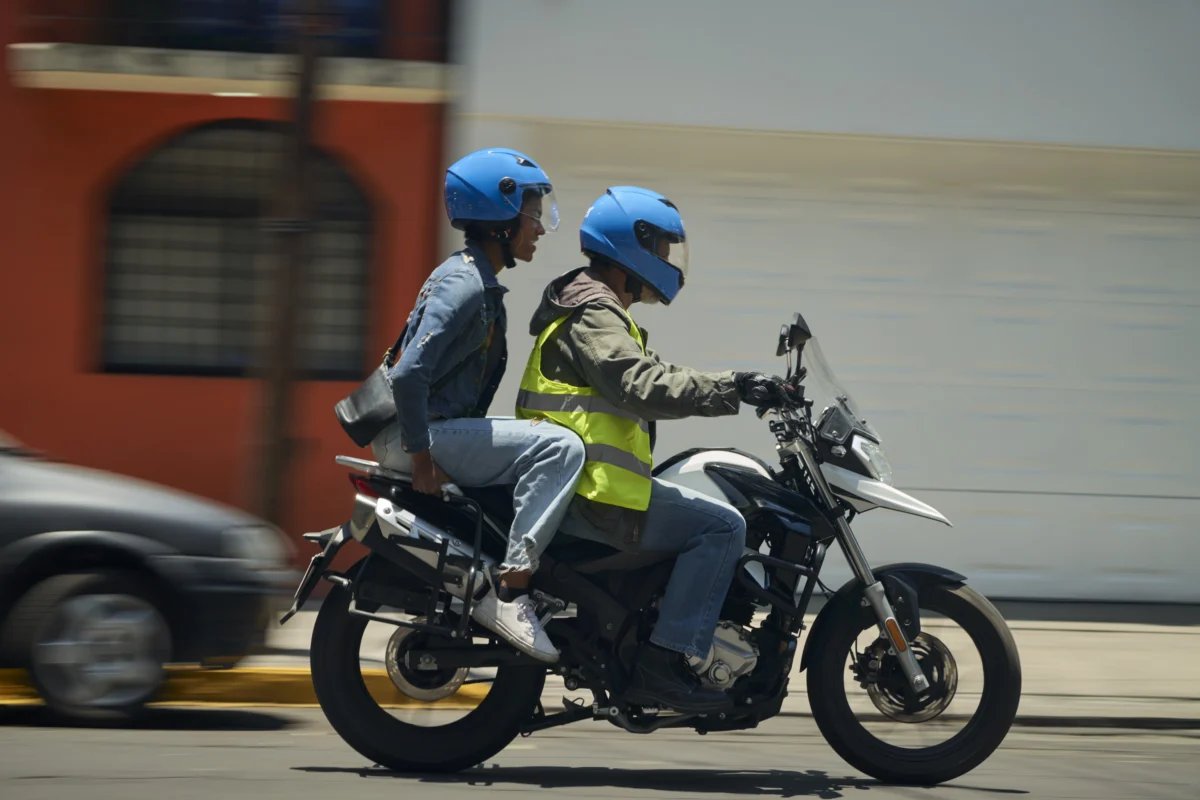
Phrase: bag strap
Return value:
(390, 354)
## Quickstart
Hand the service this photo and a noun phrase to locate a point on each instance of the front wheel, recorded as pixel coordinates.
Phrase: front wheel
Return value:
(858, 697)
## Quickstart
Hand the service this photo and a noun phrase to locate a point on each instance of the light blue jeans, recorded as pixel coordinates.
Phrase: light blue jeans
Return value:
(542, 459)
(709, 537)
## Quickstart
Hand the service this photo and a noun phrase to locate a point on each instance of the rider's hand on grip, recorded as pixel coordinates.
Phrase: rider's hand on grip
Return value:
(759, 390)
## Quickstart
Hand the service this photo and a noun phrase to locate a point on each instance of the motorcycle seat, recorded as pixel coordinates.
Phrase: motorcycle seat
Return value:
(583, 554)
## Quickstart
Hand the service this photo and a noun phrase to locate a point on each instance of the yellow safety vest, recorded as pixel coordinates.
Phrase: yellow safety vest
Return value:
(617, 470)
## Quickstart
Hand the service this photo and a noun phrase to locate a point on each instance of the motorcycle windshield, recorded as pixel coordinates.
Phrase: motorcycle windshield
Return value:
(835, 413)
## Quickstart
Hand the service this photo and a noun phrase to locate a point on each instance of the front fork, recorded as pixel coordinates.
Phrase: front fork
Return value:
(875, 596)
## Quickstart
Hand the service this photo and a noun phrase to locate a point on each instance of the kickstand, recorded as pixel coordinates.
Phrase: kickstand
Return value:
(539, 714)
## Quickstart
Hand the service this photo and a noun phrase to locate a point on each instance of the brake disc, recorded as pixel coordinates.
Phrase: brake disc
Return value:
(889, 690)
(425, 683)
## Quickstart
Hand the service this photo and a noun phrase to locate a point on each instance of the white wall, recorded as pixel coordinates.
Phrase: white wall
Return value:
(1079, 232)
(1090, 72)
(1016, 320)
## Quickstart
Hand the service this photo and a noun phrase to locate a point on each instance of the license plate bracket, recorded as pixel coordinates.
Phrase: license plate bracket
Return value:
(316, 568)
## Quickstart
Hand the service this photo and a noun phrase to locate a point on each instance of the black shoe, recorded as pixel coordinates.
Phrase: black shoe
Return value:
(661, 678)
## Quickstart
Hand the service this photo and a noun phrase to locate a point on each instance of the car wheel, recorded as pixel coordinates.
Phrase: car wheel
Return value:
(95, 644)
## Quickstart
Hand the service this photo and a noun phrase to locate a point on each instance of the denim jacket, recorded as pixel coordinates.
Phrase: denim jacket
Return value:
(458, 310)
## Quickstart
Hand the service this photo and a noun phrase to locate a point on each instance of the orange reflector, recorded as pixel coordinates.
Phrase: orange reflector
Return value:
(897, 637)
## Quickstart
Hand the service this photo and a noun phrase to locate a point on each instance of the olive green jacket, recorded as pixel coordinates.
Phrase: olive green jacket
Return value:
(595, 348)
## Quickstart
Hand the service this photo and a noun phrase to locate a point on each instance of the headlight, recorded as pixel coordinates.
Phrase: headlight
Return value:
(259, 547)
(873, 458)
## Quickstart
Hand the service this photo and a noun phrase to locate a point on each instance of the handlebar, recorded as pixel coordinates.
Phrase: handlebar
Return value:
(790, 397)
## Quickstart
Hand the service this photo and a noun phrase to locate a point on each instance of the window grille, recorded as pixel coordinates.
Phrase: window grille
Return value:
(188, 262)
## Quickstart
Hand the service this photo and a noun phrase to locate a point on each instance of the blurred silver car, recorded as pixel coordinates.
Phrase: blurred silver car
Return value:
(105, 580)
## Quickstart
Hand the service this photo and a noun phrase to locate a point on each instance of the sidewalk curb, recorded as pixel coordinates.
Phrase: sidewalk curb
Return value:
(262, 686)
(292, 686)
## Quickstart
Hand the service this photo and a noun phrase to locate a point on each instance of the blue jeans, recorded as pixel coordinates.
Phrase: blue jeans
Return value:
(543, 460)
(709, 537)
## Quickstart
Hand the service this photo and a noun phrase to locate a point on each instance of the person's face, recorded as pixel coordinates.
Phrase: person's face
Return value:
(524, 244)
(649, 296)
(662, 249)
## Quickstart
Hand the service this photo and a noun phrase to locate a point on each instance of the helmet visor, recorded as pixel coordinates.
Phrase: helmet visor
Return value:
(537, 202)
(670, 247)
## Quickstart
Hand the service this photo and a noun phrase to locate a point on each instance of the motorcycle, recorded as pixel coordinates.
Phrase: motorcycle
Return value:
(425, 562)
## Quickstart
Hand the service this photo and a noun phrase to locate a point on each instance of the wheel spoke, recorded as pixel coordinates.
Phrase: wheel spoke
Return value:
(63, 653)
(145, 629)
(140, 672)
(81, 614)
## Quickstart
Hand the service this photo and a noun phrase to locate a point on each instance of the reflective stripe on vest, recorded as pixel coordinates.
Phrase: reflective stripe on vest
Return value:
(571, 402)
(618, 466)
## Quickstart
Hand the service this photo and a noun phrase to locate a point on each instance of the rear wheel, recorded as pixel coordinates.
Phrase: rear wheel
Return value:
(401, 744)
(863, 739)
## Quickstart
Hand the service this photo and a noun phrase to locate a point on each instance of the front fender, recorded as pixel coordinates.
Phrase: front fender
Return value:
(918, 576)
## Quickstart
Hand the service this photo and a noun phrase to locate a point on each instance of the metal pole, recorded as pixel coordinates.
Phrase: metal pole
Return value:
(292, 229)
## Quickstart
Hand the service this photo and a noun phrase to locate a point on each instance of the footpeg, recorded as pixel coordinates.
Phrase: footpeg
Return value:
(605, 712)
(551, 605)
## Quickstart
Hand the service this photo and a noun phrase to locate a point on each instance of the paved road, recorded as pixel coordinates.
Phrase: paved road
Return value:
(1138, 677)
(231, 754)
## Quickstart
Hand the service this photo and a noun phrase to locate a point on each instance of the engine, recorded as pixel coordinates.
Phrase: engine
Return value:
(731, 656)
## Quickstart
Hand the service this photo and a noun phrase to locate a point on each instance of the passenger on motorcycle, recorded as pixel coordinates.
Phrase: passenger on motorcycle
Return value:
(591, 372)
(452, 359)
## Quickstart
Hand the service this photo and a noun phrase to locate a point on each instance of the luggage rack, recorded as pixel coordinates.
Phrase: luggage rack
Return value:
(436, 576)
(389, 549)
(377, 469)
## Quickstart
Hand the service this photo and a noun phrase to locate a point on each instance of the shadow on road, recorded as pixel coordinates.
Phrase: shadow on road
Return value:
(749, 783)
(156, 719)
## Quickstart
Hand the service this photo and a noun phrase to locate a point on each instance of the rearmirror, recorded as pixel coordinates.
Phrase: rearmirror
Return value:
(798, 334)
(793, 337)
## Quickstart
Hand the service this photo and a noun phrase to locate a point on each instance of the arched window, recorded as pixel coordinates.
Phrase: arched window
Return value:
(188, 261)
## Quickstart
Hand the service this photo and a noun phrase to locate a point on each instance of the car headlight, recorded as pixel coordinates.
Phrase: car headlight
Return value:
(873, 458)
(259, 547)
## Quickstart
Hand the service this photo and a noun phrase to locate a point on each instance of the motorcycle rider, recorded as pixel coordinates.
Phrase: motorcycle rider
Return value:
(590, 371)
(452, 359)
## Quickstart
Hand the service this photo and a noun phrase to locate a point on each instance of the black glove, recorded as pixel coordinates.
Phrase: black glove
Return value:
(757, 389)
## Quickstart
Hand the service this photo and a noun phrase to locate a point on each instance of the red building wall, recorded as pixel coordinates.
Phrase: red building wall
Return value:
(60, 150)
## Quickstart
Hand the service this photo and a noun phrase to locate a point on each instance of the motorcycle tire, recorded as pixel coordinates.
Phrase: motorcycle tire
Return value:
(974, 743)
(391, 742)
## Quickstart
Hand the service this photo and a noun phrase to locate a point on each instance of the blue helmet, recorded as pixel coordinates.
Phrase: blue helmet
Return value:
(642, 232)
(490, 186)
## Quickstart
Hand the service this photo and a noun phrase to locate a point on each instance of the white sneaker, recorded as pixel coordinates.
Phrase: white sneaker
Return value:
(517, 622)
